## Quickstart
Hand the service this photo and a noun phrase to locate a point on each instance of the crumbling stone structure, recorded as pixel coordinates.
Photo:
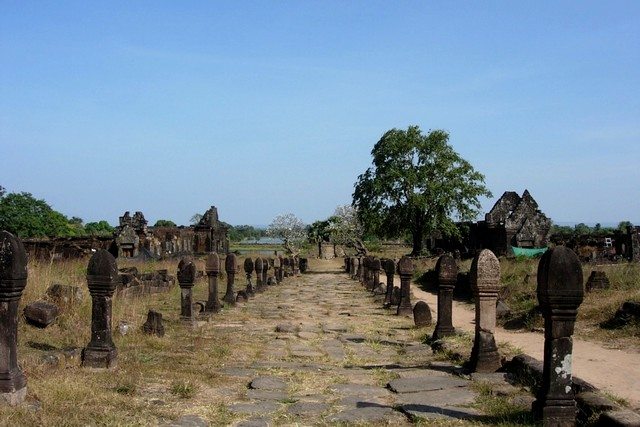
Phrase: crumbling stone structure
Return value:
(513, 221)
(132, 237)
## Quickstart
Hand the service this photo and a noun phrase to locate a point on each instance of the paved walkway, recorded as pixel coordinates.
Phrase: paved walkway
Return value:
(320, 350)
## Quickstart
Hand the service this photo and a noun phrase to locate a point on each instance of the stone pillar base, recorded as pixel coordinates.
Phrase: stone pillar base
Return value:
(484, 356)
(555, 413)
(98, 358)
(230, 299)
(13, 398)
(405, 310)
(442, 332)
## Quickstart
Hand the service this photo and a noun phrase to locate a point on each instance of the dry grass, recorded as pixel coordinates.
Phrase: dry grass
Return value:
(156, 378)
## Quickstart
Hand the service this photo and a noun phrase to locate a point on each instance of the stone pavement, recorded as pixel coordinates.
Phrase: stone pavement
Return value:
(319, 349)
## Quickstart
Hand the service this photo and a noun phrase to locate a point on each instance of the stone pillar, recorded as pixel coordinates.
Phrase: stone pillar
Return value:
(347, 265)
(560, 293)
(375, 273)
(230, 267)
(447, 273)
(353, 268)
(304, 265)
(186, 277)
(296, 265)
(390, 270)
(13, 279)
(276, 269)
(367, 273)
(485, 283)
(405, 269)
(285, 267)
(102, 278)
(212, 267)
(265, 272)
(248, 270)
(258, 266)
(360, 271)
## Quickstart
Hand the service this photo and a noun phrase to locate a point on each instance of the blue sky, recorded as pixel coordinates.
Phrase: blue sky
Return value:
(262, 108)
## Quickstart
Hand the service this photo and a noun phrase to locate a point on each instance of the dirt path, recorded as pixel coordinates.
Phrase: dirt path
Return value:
(615, 371)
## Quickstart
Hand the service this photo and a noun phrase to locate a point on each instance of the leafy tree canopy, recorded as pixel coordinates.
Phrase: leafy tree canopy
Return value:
(25, 216)
(100, 228)
(164, 223)
(419, 184)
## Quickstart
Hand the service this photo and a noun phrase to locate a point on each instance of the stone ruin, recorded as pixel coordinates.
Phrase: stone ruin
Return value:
(134, 283)
(513, 221)
(134, 239)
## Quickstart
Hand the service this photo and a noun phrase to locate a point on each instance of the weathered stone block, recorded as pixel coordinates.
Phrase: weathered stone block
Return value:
(421, 314)
(153, 325)
(41, 314)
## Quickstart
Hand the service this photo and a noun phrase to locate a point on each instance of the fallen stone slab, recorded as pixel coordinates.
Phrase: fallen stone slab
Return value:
(188, 421)
(275, 395)
(439, 398)
(359, 390)
(619, 418)
(307, 408)
(369, 414)
(428, 412)
(267, 383)
(252, 408)
(254, 422)
(41, 313)
(413, 385)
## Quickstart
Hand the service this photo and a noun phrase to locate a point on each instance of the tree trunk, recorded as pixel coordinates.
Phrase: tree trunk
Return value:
(418, 237)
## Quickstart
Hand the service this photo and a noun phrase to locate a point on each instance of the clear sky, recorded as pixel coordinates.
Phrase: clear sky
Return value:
(268, 107)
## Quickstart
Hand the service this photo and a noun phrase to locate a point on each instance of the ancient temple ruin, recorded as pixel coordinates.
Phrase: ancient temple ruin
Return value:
(514, 221)
(133, 238)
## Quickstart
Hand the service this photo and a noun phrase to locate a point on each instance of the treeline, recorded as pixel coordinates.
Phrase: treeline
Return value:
(25, 216)
(583, 230)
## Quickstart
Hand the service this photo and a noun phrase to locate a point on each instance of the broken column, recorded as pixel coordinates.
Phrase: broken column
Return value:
(296, 265)
(285, 267)
(405, 270)
(276, 269)
(102, 278)
(248, 271)
(265, 272)
(375, 273)
(353, 268)
(230, 267)
(447, 273)
(212, 267)
(13, 279)
(485, 283)
(360, 270)
(186, 277)
(258, 266)
(560, 293)
(390, 270)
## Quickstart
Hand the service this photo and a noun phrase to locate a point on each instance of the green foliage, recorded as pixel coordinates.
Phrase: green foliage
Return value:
(164, 223)
(100, 228)
(238, 233)
(622, 226)
(319, 231)
(26, 216)
(417, 183)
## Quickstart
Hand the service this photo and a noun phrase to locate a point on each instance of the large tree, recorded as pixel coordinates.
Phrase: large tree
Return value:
(417, 184)
(290, 229)
(25, 216)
